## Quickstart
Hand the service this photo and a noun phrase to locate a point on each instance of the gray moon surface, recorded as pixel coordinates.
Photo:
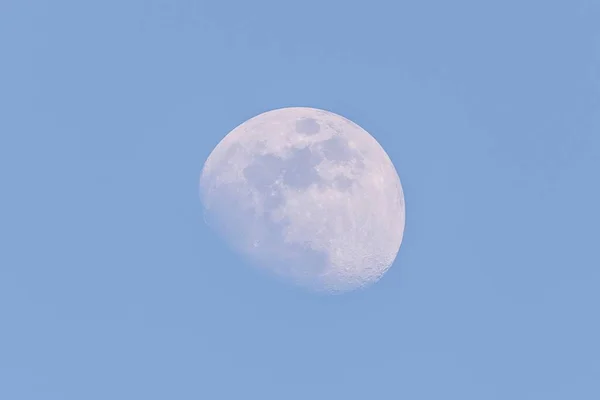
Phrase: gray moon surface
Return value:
(308, 196)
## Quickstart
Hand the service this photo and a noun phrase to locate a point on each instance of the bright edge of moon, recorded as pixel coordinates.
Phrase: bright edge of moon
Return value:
(308, 196)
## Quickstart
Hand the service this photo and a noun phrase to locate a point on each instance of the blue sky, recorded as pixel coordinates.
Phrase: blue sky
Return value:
(111, 286)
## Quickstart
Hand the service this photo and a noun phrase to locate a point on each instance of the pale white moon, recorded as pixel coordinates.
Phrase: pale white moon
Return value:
(308, 195)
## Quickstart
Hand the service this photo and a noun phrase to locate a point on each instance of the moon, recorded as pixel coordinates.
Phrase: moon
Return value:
(308, 196)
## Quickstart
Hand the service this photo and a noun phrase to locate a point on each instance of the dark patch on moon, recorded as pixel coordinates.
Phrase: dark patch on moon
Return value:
(263, 172)
(336, 149)
(261, 175)
(307, 126)
(232, 151)
(342, 183)
(297, 171)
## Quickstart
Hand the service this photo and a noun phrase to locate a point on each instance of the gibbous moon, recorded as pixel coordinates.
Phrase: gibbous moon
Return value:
(307, 195)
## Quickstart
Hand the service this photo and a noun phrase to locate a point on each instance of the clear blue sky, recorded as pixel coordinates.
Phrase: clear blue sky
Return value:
(111, 286)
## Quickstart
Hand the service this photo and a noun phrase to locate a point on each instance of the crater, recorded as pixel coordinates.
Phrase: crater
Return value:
(307, 126)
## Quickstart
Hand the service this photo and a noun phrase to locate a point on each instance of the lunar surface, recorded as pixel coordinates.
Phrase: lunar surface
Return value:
(307, 195)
